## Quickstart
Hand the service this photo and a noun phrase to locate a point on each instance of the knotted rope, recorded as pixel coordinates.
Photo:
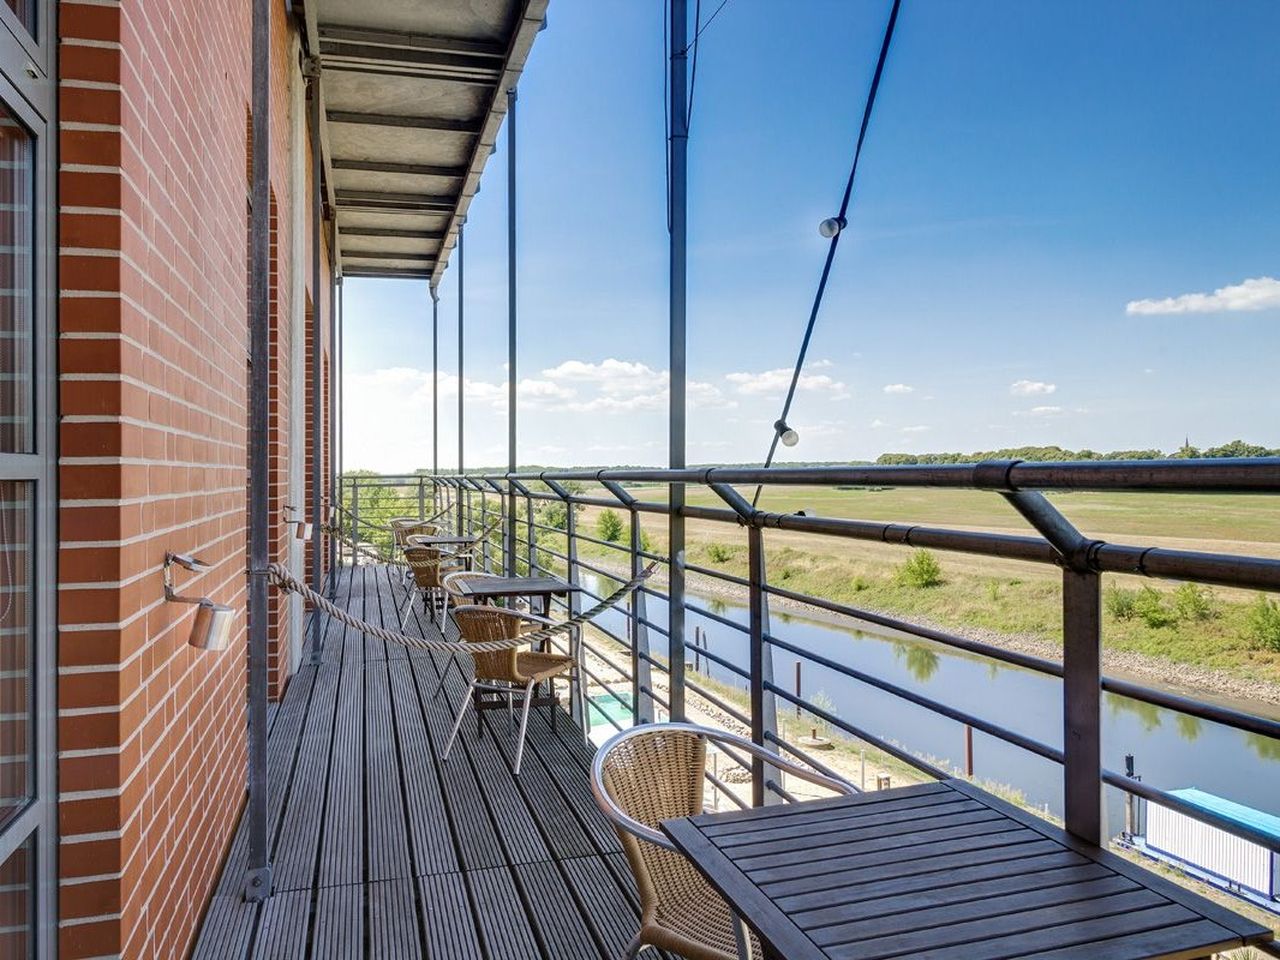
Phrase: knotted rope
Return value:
(282, 578)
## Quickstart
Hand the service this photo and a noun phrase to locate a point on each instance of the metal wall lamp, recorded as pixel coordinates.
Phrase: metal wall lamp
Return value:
(301, 526)
(211, 628)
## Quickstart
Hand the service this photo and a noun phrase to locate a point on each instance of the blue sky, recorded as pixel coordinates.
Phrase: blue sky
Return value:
(1066, 229)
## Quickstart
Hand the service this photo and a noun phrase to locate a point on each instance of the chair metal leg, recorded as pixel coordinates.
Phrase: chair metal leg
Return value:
(457, 723)
(741, 937)
(524, 725)
(633, 949)
(408, 607)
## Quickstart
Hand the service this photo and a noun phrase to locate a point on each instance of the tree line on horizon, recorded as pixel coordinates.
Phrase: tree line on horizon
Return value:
(1052, 454)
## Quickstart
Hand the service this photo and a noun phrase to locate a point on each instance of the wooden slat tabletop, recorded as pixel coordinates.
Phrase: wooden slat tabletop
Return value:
(943, 870)
(516, 587)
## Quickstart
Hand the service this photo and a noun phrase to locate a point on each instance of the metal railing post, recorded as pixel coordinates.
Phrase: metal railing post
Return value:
(422, 499)
(355, 521)
(484, 523)
(641, 674)
(764, 709)
(533, 534)
(1082, 703)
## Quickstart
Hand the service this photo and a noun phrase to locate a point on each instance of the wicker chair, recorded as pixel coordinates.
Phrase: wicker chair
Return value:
(429, 567)
(653, 773)
(511, 672)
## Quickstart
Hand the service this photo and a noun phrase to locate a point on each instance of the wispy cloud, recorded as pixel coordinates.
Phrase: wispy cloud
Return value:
(917, 428)
(1260, 293)
(1031, 388)
(899, 388)
(775, 382)
(1040, 412)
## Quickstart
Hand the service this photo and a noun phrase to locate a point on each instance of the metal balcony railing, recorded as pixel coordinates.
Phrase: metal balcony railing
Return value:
(474, 502)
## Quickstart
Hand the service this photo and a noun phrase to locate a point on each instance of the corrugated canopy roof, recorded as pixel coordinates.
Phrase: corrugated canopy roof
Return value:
(413, 94)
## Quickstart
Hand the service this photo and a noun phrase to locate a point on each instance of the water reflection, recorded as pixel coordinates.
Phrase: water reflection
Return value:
(921, 662)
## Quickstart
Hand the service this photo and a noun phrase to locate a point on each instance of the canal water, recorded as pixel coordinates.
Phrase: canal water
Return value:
(1170, 749)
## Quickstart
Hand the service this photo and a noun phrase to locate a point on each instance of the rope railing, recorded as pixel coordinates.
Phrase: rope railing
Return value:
(285, 580)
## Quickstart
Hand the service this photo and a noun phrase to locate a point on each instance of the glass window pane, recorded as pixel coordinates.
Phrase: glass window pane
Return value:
(16, 284)
(17, 725)
(26, 13)
(17, 903)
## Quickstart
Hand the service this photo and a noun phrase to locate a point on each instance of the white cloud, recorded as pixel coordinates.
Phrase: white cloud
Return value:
(610, 375)
(1031, 388)
(775, 382)
(1260, 293)
(918, 428)
(899, 388)
(1039, 412)
(877, 423)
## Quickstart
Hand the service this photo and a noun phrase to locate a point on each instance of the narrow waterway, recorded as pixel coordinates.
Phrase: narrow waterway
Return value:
(1170, 749)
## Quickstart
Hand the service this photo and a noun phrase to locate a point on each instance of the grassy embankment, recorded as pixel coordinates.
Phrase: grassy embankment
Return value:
(1001, 596)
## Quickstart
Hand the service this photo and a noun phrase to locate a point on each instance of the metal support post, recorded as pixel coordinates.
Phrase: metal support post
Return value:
(317, 359)
(509, 527)
(258, 877)
(461, 381)
(678, 151)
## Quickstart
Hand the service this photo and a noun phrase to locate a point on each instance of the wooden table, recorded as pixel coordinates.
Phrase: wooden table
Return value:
(439, 540)
(943, 870)
(497, 588)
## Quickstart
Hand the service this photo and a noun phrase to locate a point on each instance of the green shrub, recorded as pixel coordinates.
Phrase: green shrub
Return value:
(645, 543)
(1262, 624)
(719, 553)
(993, 591)
(609, 526)
(921, 570)
(860, 583)
(786, 573)
(1120, 603)
(1193, 602)
(1151, 609)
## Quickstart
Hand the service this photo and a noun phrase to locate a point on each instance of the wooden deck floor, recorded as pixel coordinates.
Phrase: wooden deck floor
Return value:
(382, 850)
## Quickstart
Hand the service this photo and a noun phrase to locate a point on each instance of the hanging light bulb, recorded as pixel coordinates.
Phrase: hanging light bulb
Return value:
(788, 436)
(831, 226)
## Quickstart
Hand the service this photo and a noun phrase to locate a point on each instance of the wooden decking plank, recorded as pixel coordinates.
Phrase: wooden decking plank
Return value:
(608, 908)
(299, 843)
(393, 600)
(568, 766)
(473, 829)
(564, 932)
(339, 929)
(228, 929)
(282, 932)
(388, 834)
(517, 829)
(393, 921)
(432, 842)
(447, 918)
(342, 843)
(500, 915)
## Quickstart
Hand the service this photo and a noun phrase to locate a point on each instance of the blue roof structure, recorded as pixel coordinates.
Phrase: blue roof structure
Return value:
(1230, 810)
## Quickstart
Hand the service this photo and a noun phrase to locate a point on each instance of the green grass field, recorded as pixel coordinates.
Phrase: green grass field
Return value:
(1002, 596)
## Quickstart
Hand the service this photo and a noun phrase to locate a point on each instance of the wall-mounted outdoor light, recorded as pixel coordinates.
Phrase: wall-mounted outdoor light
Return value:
(788, 436)
(831, 226)
(301, 527)
(211, 628)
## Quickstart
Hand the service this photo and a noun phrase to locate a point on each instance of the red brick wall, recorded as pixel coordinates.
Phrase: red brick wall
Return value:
(152, 363)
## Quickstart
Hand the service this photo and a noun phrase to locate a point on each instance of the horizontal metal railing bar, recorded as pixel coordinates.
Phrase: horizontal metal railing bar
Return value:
(773, 786)
(591, 701)
(718, 701)
(658, 698)
(718, 618)
(1165, 799)
(804, 756)
(718, 575)
(607, 662)
(724, 788)
(951, 713)
(1172, 701)
(878, 742)
(729, 665)
(1222, 475)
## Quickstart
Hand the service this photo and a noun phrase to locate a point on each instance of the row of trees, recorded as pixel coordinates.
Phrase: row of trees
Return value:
(1236, 448)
